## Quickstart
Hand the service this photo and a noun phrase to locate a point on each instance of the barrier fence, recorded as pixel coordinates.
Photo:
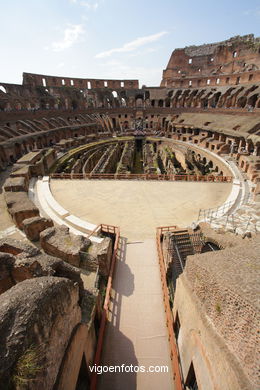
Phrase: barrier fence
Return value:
(174, 354)
(116, 232)
(145, 176)
(208, 215)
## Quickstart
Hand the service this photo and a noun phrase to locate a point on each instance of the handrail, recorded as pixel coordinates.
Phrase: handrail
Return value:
(94, 231)
(143, 176)
(114, 230)
(177, 377)
(212, 213)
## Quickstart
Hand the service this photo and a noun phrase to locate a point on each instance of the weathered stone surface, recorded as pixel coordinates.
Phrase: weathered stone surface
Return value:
(11, 198)
(221, 238)
(19, 261)
(20, 207)
(40, 315)
(226, 284)
(58, 241)
(15, 184)
(102, 253)
(15, 247)
(6, 265)
(89, 261)
(34, 226)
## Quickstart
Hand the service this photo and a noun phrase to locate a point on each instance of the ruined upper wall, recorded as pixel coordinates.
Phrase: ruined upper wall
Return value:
(235, 56)
(226, 287)
(54, 81)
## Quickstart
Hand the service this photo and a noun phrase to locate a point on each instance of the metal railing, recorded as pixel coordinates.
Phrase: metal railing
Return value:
(145, 176)
(174, 354)
(114, 230)
(210, 214)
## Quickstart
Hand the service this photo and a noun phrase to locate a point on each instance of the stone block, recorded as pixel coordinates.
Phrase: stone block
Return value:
(6, 263)
(20, 261)
(34, 226)
(58, 241)
(37, 319)
(15, 184)
(20, 207)
(103, 254)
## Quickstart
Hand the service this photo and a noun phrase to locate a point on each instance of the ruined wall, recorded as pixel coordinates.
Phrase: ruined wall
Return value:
(126, 162)
(234, 61)
(54, 81)
(216, 302)
(42, 329)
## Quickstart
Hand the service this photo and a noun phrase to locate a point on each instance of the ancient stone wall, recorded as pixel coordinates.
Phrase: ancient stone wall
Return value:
(51, 311)
(32, 79)
(234, 61)
(42, 328)
(217, 307)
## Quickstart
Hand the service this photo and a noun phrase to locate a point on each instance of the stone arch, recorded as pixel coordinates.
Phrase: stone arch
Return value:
(139, 100)
(167, 102)
(252, 100)
(160, 103)
(241, 102)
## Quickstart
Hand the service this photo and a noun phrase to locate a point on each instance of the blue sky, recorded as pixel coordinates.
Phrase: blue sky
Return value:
(112, 38)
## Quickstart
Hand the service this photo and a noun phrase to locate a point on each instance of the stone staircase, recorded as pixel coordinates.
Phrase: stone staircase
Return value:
(183, 244)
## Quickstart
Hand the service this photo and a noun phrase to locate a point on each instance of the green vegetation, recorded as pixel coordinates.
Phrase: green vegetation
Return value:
(218, 308)
(28, 366)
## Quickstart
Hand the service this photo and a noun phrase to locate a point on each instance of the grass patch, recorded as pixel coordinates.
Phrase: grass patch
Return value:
(218, 308)
(28, 366)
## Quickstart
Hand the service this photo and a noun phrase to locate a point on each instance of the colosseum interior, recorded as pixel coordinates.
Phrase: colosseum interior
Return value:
(130, 226)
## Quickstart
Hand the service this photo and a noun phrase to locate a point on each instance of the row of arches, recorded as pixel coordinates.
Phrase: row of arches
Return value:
(237, 97)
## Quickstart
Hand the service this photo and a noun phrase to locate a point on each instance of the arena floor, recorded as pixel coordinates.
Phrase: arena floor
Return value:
(138, 207)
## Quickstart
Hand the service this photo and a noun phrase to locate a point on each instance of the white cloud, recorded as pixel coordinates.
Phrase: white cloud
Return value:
(145, 75)
(133, 45)
(71, 35)
(91, 4)
(252, 12)
(142, 52)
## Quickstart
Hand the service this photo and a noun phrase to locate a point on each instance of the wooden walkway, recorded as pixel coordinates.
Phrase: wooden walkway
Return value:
(136, 333)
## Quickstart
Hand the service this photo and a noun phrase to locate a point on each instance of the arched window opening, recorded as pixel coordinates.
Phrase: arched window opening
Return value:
(167, 102)
(2, 89)
(252, 100)
(160, 103)
(114, 93)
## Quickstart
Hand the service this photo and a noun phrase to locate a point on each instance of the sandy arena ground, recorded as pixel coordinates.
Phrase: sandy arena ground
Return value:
(138, 207)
